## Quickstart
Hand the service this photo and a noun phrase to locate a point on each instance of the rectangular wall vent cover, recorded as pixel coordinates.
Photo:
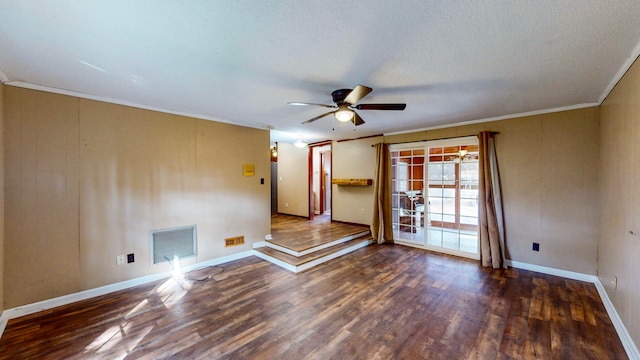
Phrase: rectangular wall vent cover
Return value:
(233, 241)
(168, 243)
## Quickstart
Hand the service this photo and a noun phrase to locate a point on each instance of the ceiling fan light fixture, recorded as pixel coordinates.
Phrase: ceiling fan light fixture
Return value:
(344, 114)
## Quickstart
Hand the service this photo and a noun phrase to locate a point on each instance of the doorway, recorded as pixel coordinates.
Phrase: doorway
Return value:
(435, 195)
(321, 179)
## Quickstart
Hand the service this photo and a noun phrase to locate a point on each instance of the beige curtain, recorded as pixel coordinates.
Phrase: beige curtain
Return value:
(381, 230)
(490, 204)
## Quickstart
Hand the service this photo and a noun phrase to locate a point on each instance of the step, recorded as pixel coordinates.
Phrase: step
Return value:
(304, 262)
(297, 253)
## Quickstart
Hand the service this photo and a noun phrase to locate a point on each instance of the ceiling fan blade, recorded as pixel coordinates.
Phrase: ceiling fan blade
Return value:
(317, 117)
(357, 120)
(380, 106)
(357, 94)
(311, 104)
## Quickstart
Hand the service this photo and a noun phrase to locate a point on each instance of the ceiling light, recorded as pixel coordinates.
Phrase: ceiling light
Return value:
(300, 143)
(343, 114)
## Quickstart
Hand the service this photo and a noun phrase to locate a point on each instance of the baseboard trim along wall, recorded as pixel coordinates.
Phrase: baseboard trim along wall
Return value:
(28, 309)
(8, 314)
(623, 334)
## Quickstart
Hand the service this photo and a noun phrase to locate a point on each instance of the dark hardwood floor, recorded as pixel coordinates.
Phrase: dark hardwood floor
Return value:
(299, 234)
(379, 302)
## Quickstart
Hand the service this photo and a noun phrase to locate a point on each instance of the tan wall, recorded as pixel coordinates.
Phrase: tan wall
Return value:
(549, 184)
(354, 159)
(42, 258)
(293, 180)
(88, 180)
(1, 197)
(619, 242)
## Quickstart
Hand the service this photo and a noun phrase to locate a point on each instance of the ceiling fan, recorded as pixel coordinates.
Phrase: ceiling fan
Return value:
(346, 100)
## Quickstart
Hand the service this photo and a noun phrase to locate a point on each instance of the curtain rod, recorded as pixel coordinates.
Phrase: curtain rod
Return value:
(360, 138)
(444, 138)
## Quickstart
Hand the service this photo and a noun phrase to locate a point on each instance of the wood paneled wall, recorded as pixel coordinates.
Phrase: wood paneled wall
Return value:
(619, 242)
(86, 181)
(355, 159)
(549, 181)
(293, 180)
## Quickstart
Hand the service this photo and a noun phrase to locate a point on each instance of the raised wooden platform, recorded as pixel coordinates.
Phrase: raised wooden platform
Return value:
(298, 244)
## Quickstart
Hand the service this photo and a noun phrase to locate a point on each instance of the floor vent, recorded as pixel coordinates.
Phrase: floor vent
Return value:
(233, 241)
(169, 243)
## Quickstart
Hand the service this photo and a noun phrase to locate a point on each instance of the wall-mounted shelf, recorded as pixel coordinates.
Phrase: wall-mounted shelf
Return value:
(352, 182)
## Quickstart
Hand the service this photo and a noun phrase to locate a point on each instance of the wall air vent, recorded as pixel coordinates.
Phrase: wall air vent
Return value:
(168, 243)
(233, 241)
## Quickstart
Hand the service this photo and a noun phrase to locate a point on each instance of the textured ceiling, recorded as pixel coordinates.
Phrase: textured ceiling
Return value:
(242, 61)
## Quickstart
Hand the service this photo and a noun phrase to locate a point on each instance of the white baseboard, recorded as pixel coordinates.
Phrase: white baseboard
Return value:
(623, 334)
(28, 309)
(259, 244)
(278, 262)
(552, 271)
(332, 256)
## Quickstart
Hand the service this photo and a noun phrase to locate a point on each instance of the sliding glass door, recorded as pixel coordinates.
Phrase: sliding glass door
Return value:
(435, 195)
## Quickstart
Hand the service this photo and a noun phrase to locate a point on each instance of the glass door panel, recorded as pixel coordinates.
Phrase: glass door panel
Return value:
(452, 204)
(407, 194)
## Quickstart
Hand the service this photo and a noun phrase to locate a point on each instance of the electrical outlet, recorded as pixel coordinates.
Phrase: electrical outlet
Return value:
(286, 205)
(614, 283)
(535, 247)
(130, 258)
(120, 260)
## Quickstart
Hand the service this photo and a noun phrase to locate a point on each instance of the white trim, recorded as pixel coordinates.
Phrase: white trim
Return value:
(28, 309)
(316, 248)
(552, 271)
(455, 141)
(281, 249)
(461, 254)
(497, 118)
(273, 260)
(126, 103)
(310, 264)
(623, 334)
(3, 77)
(315, 262)
(410, 145)
(259, 244)
(623, 70)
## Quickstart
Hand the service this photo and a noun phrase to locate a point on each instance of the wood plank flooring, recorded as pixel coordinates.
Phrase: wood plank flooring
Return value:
(379, 302)
(299, 234)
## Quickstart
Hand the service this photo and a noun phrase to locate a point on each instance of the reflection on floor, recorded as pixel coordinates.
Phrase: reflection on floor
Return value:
(460, 240)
